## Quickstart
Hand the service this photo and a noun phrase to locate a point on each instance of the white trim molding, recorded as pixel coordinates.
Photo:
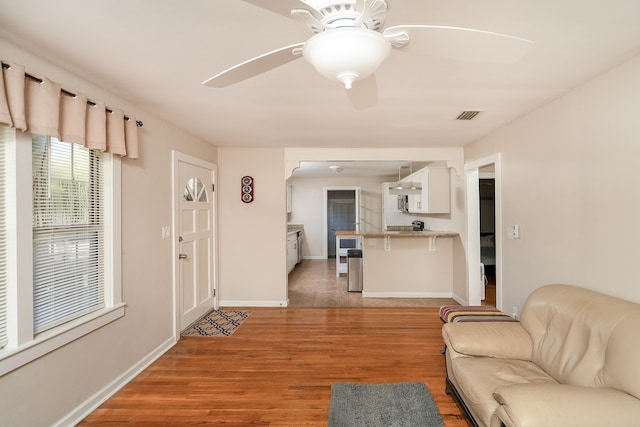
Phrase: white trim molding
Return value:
(92, 403)
(472, 176)
(253, 303)
(366, 294)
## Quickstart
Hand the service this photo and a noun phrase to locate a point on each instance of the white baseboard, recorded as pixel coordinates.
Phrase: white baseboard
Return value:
(253, 303)
(406, 294)
(314, 257)
(459, 300)
(91, 404)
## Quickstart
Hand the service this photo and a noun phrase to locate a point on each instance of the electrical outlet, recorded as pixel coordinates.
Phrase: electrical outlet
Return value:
(514, 312)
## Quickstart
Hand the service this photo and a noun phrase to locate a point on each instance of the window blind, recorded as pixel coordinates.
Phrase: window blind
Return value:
(3, 238)
(68, 231)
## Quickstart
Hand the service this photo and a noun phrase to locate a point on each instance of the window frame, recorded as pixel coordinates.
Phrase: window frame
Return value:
(23, 345)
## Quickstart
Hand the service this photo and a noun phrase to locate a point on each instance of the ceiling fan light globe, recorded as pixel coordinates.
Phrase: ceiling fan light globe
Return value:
(347, 79)
(346, 54)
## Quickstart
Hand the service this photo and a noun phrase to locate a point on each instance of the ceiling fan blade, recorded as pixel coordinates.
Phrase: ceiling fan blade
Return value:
(283, 7)
(255, 66)
(364, 93)
(463, 44)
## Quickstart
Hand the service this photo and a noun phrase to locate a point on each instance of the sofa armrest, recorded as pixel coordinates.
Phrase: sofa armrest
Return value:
(488, 339)
(550, 405)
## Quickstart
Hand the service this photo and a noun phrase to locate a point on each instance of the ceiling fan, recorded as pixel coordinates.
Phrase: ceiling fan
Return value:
(351, 42)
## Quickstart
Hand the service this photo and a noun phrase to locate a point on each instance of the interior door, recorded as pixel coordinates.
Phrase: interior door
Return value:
(341, 215)
(195, 246)
(351, 193)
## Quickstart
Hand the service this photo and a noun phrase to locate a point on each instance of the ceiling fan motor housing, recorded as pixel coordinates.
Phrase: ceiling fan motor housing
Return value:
(341, 13)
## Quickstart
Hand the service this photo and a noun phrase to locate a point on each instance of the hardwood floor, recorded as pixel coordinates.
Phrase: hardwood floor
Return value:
(277, 369)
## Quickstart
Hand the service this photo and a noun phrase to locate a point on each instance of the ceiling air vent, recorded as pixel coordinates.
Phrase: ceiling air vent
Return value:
(468, 115)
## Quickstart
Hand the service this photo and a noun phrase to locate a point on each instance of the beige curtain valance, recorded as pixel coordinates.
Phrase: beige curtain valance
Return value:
(39, 105)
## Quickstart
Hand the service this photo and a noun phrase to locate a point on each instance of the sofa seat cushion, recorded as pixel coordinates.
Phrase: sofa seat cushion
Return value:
(562, 405)
(477, 378)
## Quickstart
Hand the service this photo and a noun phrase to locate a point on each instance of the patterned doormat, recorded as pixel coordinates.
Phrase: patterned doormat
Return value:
(217, 323)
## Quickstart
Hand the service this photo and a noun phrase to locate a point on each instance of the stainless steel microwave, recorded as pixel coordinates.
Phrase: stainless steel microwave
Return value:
(403, 203)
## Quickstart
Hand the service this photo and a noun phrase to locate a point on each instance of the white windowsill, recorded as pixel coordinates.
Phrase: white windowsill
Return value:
(13, 357)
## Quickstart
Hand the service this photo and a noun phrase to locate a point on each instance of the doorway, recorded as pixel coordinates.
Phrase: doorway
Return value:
(487, 234)
(484, 224)
(194, 220)
(341, 212)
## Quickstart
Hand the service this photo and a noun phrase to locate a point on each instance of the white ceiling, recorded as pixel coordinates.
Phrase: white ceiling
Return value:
(156, 53)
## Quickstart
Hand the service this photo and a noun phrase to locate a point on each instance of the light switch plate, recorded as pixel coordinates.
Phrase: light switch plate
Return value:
(513, 232)
(166, 232)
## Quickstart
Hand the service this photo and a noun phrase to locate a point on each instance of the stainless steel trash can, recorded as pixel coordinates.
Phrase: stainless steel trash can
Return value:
(354, 270)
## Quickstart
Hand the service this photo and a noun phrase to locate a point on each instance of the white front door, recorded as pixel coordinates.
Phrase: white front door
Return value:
(194, 219)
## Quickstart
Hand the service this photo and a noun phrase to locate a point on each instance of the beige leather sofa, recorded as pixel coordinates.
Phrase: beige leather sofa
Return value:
(572, 360)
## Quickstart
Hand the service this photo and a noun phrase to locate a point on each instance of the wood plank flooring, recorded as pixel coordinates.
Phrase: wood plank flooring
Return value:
(277, 369)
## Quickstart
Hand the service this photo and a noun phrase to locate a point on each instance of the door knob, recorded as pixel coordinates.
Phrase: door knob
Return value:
(182, 256)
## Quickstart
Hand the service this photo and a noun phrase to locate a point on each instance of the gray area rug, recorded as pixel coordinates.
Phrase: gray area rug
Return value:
(383, 405)
(217, 323)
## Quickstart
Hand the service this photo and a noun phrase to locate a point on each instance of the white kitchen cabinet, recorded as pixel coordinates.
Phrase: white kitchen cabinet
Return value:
(435, 196)
(292, 251)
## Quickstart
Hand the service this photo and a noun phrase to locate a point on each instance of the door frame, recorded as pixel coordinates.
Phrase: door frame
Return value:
(325, 223)
(176, 192)
(472, 229)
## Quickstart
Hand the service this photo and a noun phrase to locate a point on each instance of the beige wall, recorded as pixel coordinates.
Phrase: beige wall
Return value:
(252, 236)
(570, 176)
(61, 381)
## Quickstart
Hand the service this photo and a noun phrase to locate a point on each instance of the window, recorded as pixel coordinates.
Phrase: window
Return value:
(195, 191)
(68, 232)
(61, 272)
(3, 242)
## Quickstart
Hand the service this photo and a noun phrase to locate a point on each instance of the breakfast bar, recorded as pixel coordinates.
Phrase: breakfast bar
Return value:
(406, 264)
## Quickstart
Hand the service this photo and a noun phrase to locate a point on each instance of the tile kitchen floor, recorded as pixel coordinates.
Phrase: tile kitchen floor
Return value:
(313, 283)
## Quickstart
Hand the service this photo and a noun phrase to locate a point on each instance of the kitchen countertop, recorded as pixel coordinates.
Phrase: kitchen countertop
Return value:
(403, 233)
(294, 228)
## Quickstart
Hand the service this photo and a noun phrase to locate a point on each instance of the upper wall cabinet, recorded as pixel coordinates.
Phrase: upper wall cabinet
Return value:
(436, 189)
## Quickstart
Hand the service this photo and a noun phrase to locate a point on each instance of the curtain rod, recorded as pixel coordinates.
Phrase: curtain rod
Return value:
(66, 92)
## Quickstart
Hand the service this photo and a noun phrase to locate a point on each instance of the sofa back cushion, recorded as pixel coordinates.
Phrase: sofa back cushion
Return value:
(581, 337)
